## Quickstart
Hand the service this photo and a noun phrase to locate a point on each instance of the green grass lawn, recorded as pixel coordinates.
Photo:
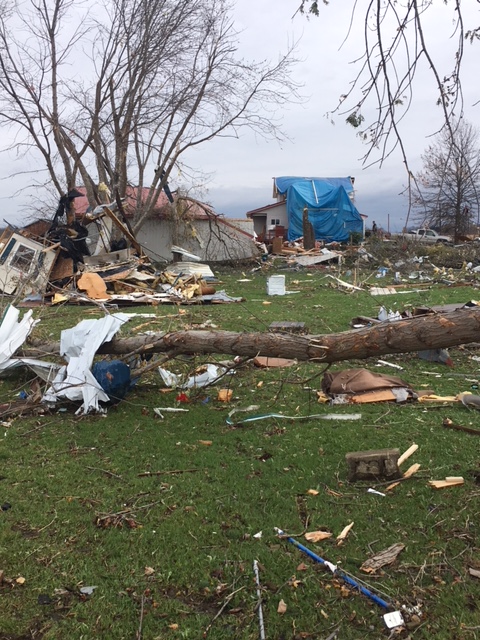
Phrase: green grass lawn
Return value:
(160, 516)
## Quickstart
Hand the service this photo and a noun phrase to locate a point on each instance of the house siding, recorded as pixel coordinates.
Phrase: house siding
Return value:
(211, 239)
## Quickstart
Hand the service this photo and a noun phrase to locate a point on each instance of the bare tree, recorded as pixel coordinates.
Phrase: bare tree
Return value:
(397, 37)
(120, 98)
(448, 188)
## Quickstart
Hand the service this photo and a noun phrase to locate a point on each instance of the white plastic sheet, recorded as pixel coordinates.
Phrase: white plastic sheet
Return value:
(13, 333)
(79, 346)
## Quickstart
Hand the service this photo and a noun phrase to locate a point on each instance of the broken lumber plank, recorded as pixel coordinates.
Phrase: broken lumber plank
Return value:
(411, 470)
(411, 450)
(452, 481)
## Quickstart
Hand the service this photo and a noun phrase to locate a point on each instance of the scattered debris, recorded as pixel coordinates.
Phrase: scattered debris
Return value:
(282, 607)
(268, 363)
(385, 557)
(319, 416)
(350, 581)
(204, 376)
(344, 533)
(224, 395)
(411, 470)
(373, 464)
(385, 363)
(158, 411)
(317, 536)
(75, 381)
(406, 454)
(58, 262)
(288, 327)
(436, 355)
(450, 481)
(375, 492)
(259, 600)
(448, 424)
(361, 385)
(469, 400)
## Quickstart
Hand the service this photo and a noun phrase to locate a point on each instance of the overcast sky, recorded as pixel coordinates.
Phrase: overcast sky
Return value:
(242, 169)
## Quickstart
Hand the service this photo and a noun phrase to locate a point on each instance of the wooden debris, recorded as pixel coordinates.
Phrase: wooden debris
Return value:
(411, 470)
(475, 573)
(317, 536)
(266, 363)
(450, 481)
(282, 607)
(448, 424)
(392, 486)
(385, 557)
(411, 450)
(381, 395)
(93, 285)
(432, 397)
(341, 537)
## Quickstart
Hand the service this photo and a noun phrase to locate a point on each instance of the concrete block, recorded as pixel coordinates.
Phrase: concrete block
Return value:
(377, 464)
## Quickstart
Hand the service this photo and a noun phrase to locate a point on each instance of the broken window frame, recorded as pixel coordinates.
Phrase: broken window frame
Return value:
(23, 258)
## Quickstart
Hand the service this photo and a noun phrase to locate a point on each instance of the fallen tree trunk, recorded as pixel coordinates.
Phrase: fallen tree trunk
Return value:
(414, 334)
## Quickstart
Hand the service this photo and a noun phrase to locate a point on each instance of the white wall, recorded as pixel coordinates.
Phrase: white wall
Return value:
(212, 240)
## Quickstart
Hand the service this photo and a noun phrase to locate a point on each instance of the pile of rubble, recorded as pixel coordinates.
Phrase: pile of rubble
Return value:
(52, 262)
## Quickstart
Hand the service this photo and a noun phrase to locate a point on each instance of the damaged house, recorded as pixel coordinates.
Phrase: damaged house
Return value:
(95, 251)
(186, 222)
(328, 201)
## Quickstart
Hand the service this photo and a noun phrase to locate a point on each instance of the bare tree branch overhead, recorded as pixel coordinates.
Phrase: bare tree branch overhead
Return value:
(117, 93)
(397, 43)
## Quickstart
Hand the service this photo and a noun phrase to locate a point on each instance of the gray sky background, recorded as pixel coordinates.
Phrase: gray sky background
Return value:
(241, 170)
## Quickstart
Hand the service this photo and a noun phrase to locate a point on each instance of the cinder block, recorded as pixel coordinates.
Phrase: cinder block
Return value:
(373, 465)
(288, 327)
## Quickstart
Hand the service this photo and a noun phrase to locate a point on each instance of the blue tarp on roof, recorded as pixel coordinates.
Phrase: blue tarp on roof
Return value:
(330, 210)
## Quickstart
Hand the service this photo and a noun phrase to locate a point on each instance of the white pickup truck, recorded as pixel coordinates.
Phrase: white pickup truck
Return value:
(426, 235)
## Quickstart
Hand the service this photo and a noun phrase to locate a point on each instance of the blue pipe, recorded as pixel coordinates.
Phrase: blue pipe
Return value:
(337, 572)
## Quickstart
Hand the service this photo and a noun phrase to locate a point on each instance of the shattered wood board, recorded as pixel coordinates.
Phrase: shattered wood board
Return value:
(381, 395)
(382, 291)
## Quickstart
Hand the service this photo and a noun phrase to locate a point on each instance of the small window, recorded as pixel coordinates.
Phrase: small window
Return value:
(275, 221)
(23, 258)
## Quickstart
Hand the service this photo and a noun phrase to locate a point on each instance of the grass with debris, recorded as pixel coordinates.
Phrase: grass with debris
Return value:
(130, 526)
